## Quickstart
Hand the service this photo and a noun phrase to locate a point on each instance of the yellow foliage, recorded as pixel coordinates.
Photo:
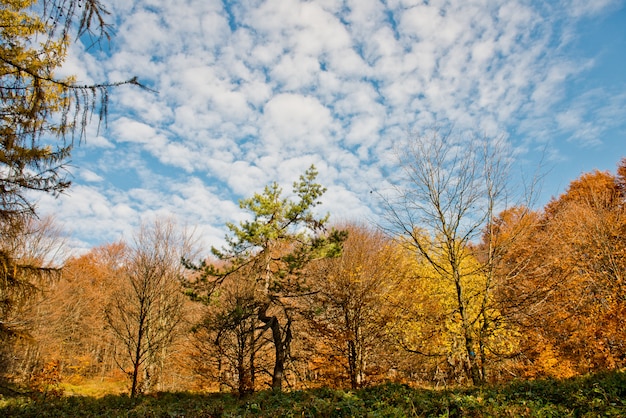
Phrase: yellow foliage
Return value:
(432, 324)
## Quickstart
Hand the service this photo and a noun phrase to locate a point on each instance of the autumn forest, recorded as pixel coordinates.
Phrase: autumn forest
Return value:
(462, 280)
(293, 302)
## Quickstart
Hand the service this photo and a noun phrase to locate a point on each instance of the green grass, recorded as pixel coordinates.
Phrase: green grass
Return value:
(600, 395)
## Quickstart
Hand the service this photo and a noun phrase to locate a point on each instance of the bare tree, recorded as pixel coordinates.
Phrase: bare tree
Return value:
(147, 311)
(448, 191)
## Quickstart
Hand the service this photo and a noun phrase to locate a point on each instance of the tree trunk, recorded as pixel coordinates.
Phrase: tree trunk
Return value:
(136, 362)
(252, 364)
(356, 362)
(242, 378)
(352, 364)
(484, 332)
(473, 369)
(281, 345)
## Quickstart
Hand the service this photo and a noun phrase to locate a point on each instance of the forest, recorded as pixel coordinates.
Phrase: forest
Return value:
(462, 283)
(291, 303)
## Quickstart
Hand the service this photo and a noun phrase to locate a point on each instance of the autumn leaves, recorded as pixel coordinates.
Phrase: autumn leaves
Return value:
(457, 286)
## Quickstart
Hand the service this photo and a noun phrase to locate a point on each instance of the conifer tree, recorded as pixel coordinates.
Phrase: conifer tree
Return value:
(41, 114)
(274, 249)
(41, 117)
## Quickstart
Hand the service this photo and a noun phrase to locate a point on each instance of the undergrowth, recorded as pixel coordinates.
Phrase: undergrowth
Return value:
(596, 395)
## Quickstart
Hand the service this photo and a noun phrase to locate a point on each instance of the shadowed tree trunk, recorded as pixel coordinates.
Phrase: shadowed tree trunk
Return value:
(281, 340)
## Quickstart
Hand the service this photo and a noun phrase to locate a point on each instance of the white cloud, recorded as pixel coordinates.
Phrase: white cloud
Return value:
(296, 123)
(98, 141)
(89, 176)
(242, 177)
(128, 130)
(578, 8)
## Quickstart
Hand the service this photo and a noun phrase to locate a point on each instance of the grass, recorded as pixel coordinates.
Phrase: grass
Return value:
(94, 388)
(599, 395)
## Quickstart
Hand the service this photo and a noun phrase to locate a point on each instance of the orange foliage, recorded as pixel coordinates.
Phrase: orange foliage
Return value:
(557, 301)
(46, 381)
(579, 259)
(597, 190)
(71, 316)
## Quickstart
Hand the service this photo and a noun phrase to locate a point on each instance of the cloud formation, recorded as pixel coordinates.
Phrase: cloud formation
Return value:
(255, 91)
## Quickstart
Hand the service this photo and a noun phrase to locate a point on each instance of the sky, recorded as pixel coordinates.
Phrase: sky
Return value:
(250, 92)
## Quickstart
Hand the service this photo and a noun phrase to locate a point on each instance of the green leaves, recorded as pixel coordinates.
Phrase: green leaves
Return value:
(578, 397)
(267, 256)
(284, 230)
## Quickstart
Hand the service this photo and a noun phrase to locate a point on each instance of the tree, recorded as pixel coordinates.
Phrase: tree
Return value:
(71, 326)
(587, 249)
(40, 115)
(561, 281)
(228, 336)
(147, 311)
(28, 263)
(511, 250)
(449, 190)
(621, 176)
(350, 306)
(273, 249)
(38, 111)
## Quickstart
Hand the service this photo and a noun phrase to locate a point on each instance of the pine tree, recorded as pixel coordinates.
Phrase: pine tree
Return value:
(274, 249)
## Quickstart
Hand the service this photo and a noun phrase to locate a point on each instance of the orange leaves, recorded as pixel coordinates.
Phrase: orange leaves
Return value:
(579, 249)
(597, 190)
(354, 301)
(47, 380)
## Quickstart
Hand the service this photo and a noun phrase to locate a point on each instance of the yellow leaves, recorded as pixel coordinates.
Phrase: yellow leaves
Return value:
(15, 23)
(550, 364)
(441, 286)
(28, 58)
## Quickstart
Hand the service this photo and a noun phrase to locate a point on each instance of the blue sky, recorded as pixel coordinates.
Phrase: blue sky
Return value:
(251, 92)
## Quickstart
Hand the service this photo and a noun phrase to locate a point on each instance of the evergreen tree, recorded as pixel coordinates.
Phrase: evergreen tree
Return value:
(274, 249)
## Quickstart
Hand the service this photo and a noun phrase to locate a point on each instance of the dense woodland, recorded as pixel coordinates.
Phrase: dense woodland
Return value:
(349, 309)
(462, 281)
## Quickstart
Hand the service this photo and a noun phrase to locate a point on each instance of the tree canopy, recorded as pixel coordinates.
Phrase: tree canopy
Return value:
(41, 114)
(272, 250)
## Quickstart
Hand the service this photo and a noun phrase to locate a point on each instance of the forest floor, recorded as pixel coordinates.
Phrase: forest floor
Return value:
(602, 394)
